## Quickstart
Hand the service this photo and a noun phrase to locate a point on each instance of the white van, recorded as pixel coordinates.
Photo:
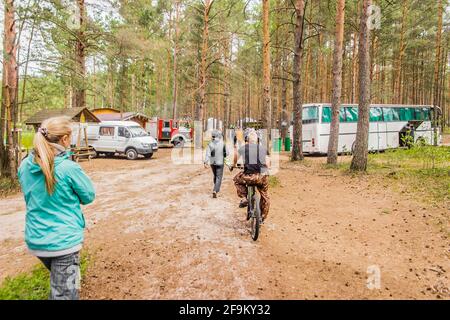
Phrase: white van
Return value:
(124, 137)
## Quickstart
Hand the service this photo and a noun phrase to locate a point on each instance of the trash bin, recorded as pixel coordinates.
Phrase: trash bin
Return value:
(277, 144)
(287, 144)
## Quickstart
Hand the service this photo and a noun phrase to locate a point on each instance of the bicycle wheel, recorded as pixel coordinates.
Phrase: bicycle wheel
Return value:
(251, 204)
(256, 218)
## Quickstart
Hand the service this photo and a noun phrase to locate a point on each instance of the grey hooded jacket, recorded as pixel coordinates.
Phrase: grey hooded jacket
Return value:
(216, 152)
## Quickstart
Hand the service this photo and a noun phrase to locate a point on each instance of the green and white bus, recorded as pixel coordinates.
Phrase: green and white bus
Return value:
(389, 125)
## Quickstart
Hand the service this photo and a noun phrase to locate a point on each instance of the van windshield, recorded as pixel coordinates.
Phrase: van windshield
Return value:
(137, 131)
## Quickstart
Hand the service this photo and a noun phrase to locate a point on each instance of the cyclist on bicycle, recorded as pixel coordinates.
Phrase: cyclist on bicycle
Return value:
(256, 164)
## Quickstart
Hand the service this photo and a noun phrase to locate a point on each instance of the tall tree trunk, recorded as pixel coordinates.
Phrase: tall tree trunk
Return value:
(79, 94)
(297, 150)
(437, 63)
(284, 119)
(401, 52)
(227, 47)
(337, 83)
(354, 68)
(359, 161)
(202, 79)
(9, 93)
(267, 100)
(201, 90)
(175, 61)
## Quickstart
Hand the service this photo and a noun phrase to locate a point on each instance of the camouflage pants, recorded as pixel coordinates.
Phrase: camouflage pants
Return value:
(261, 182)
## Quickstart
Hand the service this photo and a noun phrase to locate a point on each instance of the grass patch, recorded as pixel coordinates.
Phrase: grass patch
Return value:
(274, 181)
(34, 285)
(8, 187)
(423, 169)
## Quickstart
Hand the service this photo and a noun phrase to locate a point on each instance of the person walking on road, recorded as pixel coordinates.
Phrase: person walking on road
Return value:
(216, 154)
(54, 187)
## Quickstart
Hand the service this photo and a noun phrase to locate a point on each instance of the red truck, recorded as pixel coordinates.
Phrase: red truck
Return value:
(170, 133)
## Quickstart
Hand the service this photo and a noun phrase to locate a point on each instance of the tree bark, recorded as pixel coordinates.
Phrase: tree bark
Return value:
(297, 150)
(201, 90)
(79, 92)
(437, 63)
(9, 90)
(398, 89)
(175, 61)
(359, 161)
(337, 83)
(267, 99)
(227, 47)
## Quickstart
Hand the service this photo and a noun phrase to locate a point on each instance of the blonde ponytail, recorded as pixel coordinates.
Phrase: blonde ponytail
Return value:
(51, 131)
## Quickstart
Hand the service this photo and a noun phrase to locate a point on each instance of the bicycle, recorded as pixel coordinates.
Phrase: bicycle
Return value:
(253, 209)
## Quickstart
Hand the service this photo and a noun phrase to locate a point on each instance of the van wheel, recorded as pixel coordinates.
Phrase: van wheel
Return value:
(131, 154)
(148, 155)
(94, 154)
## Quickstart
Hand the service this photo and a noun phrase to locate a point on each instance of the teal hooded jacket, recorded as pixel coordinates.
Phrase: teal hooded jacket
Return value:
(55, 222)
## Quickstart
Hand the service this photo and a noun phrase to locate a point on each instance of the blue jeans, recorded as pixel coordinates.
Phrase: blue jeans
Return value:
(65, 276)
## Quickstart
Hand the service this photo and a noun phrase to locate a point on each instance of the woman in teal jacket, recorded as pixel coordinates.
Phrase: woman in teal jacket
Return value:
(54, 187)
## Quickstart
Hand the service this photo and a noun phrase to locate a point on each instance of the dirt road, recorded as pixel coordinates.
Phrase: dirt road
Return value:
(154, 232)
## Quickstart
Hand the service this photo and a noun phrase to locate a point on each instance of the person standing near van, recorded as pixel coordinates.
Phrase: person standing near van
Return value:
(54, 187)
(216, 154)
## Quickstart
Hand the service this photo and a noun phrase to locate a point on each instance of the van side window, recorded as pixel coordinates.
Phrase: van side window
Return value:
(107, 131)
(122, 131)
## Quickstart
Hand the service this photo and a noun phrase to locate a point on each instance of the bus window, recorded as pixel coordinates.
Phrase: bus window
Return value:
(342, 115)
(390, 114)
(376, 115)
(426, 112)
(419, 114)
(351, 114)
(406, 114)
(326, 115)
(310, 114)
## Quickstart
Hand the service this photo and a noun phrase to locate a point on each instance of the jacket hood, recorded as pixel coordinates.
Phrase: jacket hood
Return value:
(34, 167)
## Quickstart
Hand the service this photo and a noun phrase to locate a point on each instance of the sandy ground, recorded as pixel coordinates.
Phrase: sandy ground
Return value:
(154, 232)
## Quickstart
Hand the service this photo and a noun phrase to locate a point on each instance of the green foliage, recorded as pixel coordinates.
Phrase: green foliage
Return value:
(27, 286)
(34, 285)
(8, 186)
(27, 139)
(424, 169)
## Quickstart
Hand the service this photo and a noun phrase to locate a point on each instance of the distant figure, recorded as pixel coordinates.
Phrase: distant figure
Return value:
(216, 154)
(54, 187)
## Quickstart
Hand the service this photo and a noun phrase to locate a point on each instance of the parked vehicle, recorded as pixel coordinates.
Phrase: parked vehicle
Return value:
(391, 126)
(124, 137)
(169, 132)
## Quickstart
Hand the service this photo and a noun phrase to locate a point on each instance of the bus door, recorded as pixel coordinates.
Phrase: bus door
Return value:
(382, 135)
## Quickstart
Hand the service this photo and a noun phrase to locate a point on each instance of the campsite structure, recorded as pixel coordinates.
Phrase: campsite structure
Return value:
(110, 114)
(81, 118)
